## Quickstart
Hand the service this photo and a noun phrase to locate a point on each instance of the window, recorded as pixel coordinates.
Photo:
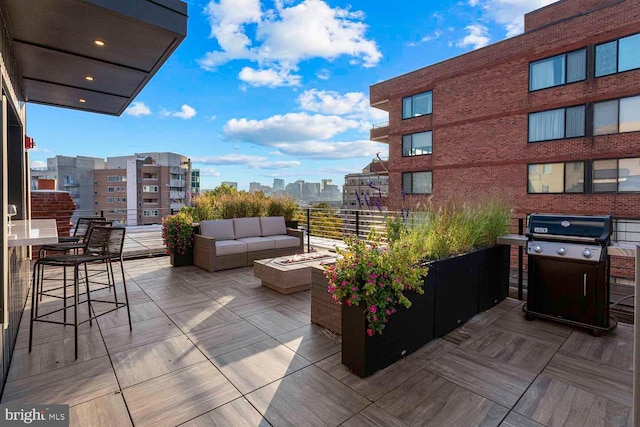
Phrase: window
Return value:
(556, 178)
(618, 115)
(110, 189)
(150, 176)
(629, 175)
(605, 176)
(417, 144)
(417, 105)
(417, 182)
(150, 188)
(618, 56)
(111, 178)
(557, 124)
(558, 70)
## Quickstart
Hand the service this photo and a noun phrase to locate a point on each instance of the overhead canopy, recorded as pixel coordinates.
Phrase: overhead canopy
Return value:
(92, 55)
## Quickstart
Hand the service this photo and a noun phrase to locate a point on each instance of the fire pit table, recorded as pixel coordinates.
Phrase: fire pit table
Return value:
(291, 273)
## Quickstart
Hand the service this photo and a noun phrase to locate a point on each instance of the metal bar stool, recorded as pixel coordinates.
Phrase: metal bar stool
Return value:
(82, 227)
(103, 245)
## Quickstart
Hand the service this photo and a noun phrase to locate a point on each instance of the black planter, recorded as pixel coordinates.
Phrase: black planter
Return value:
(494, 286)
(406, 331)
(181, 260)
(291, 224)
(457, 285)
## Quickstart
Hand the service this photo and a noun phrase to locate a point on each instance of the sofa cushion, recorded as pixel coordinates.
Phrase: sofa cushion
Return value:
(258, 243)
(219, 229)
(285, 241)
(273, 225)
(230, 247)
(247, 227)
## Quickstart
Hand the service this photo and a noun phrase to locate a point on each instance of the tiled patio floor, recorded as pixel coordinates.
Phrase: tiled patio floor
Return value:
(219, 349)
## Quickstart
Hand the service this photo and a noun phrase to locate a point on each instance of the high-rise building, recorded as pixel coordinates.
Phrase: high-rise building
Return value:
(195, 181)
(549, 120)
(278, 184)
(231, 184)
(254, 186)
(143, 188)
(367, 190)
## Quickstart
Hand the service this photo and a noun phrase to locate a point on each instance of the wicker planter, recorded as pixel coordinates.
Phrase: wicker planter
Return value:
(324, 310)
(407, 330)
(181, 260)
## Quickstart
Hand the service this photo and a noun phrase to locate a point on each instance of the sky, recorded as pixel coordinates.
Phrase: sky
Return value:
(278, 89)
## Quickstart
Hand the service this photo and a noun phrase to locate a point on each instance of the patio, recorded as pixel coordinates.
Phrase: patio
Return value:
(220, 349)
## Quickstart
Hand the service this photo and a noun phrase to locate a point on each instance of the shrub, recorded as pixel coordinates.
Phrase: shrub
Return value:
(282, 206)
(177, 233)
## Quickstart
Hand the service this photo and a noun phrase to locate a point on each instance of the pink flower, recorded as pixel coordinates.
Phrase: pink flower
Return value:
(348, 302)
(335, 297)
(369, 332)
(373, 275)
(375, 318)
(331, 288)
(373, 309)
(389, 299)
(388, 311)
(354, 288)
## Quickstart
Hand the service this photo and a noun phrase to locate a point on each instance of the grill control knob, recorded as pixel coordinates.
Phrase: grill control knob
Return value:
(561, 251)
(537, 248)
(587, 253)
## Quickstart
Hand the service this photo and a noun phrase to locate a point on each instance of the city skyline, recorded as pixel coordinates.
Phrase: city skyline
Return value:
(252, 94)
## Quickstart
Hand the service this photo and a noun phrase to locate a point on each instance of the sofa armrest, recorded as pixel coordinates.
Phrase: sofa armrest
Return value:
(296, 233)
(204, 252)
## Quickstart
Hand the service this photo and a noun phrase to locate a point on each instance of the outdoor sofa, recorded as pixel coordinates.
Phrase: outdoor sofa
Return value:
(237, 242)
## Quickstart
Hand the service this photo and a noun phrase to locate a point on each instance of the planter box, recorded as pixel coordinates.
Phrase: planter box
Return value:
(494, 286)
(181, 260)
(406, 331)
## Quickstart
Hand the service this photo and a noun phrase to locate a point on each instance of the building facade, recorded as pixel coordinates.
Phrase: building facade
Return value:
(548, 120)
(143, 188)
(195, 182)
(367, 190)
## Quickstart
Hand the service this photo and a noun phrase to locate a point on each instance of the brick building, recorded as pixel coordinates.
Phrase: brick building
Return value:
(368, 189)
(548, 120)
(143, 188)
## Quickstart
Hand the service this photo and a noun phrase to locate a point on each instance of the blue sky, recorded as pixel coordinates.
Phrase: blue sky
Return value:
(279, 89)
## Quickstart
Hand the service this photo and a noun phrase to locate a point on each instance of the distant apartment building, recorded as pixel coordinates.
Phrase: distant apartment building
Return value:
(72, 174)
(367, 190)
(195, 181)
(549, 120)
(142, 188)
(254, 186)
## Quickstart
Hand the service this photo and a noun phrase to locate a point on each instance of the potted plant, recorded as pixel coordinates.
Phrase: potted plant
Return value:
(177, 236)
(284, 206)
(376, 286)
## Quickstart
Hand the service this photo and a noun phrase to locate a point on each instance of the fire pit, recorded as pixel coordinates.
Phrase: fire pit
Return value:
(289, 274)
(316, 256)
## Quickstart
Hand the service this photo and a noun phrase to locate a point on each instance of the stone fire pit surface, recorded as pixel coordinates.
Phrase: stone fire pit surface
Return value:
(288, 278)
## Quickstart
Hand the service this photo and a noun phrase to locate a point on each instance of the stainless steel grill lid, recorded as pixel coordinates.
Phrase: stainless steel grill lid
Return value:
(595, 229)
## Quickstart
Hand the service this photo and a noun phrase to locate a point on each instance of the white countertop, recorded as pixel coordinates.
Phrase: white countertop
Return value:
(33, 232)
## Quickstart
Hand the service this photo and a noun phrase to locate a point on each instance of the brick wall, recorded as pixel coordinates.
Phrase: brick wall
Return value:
(481, 103)
(562, 10)
(56, 205)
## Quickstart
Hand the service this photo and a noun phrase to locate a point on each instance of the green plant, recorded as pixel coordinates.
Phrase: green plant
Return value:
(282, 206)
(177, 233)
(377, 277)
(240, 205)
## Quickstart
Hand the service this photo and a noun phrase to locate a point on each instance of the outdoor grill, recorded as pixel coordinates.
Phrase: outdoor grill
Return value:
(569, 270)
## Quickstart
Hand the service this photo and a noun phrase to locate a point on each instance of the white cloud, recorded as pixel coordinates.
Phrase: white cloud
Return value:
(478, 37)
(285, 164)
(270, 77)
(434, 36)
(509, 13)
(288, 128)
(186, 112)
(333, 149)
(285, 36)
(353, 105)
(228, 159)
(137, 109)
(38, 164)
(209, 172)
(323, 74)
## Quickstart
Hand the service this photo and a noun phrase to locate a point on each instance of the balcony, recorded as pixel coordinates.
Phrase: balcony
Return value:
(380, 132)
(218, 346)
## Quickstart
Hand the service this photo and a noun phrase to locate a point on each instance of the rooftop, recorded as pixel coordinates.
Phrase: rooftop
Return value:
(208, 348)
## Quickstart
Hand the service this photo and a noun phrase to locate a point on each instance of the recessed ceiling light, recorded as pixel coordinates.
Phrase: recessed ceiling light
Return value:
(98, 42)
(88, 78)
(82, 100)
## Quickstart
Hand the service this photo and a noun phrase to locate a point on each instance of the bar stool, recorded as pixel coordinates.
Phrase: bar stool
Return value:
(82, 227)
(103, 244)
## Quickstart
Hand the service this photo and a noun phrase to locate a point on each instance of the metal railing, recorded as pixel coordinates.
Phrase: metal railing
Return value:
(380, 125)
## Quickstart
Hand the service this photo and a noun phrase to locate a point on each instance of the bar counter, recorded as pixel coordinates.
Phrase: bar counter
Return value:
(34, 232)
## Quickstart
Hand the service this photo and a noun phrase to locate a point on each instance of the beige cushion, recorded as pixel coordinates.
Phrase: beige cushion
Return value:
(285, 241)
(258, 243)
(273, 225)
(246, 227)
(219, 229)
(230, 247)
